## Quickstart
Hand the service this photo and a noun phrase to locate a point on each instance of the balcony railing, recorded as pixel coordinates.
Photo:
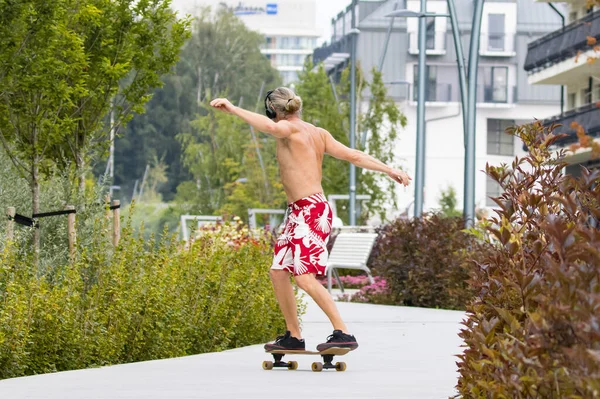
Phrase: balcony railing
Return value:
(440, 92)
(434, 42)
(587, 116)
(563, 43)
(497, 43)
(340, 46)
(496, 94)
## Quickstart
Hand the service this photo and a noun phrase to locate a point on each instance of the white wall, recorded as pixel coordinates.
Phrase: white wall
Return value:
(444, 165)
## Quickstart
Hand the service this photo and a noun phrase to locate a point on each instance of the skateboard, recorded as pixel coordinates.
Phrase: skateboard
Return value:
(327, 356)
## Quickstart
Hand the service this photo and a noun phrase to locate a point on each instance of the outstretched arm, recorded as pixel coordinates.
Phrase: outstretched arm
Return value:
(362, 160)
(279, 129)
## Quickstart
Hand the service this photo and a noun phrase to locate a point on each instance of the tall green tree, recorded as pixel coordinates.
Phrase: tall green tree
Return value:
(222, 157)
(222, 57)
(65, 64)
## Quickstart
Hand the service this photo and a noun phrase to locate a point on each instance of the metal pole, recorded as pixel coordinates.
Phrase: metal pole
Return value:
(387, 40)
(420, 161)
(353, 38)
(469, 189)
(562, 88)
(460, 60)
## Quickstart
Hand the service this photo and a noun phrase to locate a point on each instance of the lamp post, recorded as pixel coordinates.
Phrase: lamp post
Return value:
(353, 38)
(468, 100)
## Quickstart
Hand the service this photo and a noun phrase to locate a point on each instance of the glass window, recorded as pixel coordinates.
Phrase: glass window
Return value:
(492, 190)
(572, 100)
(496, 32)
(573, 16)
(495, 84)
(430, 81)
(283, 42)
(587, 96)
(498, 141)
(430, 33)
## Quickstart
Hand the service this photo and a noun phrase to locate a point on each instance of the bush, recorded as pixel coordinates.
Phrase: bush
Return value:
(424, 261)
(534, 329)
(376, 293)
(140, 301)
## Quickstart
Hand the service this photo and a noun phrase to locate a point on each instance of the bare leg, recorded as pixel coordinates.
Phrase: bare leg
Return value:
(312, 287)
(284, 292)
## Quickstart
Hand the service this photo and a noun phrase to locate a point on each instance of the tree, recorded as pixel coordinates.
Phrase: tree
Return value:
(222, 57)
(62, 62)
(223, 160)
(448, 203)
(379, 127)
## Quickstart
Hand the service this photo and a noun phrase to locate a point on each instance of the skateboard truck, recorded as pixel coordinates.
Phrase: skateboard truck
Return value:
(278, 363)
(327, 363)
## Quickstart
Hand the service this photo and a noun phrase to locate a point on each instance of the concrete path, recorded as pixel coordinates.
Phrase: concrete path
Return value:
(404, 353)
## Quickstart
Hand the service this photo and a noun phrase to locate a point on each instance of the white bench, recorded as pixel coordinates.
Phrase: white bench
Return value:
(350, 251)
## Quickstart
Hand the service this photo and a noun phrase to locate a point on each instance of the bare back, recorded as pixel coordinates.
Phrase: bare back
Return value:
(300, 157)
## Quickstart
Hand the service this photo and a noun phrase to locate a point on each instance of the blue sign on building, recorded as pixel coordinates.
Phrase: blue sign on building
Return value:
(272, 9)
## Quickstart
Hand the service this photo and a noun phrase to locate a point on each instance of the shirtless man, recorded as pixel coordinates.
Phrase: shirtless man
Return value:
(301, 248)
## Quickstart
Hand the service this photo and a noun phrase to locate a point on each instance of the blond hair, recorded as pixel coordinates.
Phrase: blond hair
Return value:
(285, 101)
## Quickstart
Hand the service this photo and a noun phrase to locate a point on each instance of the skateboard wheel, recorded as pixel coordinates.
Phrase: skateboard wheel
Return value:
(340, 366)
(317, 366)
(292, 365)
(267, 365)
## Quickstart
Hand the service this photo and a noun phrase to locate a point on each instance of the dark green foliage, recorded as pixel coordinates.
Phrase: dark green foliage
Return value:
(139, 302)
(448, 203)
(533, 330)
(222, 58)
(424, 261)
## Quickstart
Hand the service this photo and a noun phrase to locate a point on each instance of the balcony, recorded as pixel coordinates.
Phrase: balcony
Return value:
(587, 116)
(498, 44)
(436, 93)
(489, 94)
(552, 58)
(341, 46)
(435, 43)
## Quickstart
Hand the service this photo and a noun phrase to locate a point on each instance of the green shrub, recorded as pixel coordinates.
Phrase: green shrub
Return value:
(140, 301)
(534, 329)
(424, 261)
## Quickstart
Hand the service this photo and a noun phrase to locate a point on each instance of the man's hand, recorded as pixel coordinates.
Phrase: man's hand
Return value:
(400, 177)
(222, 104)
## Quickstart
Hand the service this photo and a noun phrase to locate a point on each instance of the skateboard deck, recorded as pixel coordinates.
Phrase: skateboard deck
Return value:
(327, 356)
(330, 351)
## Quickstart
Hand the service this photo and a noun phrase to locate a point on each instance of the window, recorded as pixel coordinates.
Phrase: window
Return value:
(430, 82)
(573, 16)
(586, 96)
(498, 141)
(496, 84)
(572, 100)
(492, 190)
(496, 32)
(430, 33)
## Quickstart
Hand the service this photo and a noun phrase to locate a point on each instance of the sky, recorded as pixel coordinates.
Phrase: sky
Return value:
(326, 9)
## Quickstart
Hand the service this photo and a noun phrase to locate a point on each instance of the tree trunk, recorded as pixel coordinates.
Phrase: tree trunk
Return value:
(35, 205)
(80, 163)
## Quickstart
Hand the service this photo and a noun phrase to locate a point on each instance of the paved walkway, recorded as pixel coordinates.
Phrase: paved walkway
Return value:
(416, 362)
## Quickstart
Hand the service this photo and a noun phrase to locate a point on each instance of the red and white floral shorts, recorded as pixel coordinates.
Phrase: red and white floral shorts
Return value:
(302, 247)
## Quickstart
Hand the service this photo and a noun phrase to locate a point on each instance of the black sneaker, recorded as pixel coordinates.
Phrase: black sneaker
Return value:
(286, 342)
(339, 340)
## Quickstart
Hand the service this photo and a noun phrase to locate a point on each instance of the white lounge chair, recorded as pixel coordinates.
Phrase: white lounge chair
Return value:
(350, 251)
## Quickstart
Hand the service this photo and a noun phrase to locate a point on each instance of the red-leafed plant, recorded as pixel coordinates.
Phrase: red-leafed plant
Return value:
(533, 330)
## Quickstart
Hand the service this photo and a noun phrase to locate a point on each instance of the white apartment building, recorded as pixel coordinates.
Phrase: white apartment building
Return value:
(504, 97)
(289, 27)
(566, 57)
